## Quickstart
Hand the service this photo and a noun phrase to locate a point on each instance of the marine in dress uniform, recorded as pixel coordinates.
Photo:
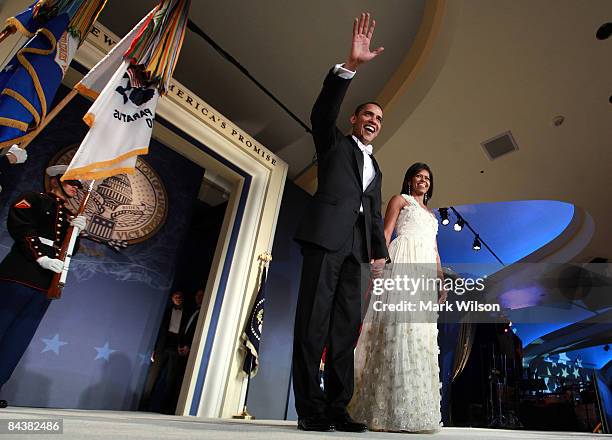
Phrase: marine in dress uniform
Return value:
(38, 223)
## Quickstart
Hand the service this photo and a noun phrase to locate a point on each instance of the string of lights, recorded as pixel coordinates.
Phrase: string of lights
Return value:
(463, 223)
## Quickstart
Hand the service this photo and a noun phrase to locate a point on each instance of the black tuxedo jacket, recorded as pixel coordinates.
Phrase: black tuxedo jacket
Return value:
(186, 335)
(163, 338)
(331, 216)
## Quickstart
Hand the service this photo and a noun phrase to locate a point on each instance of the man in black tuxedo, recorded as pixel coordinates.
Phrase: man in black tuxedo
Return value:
(160, 387)
(341, 230)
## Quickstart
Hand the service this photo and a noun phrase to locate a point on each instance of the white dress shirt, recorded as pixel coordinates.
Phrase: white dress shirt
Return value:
(175, 320)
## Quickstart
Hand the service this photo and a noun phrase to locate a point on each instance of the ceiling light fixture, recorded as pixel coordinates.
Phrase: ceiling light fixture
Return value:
(444, 216)
(558, 121)
(476, 246)
(478, 242)
(459, 225)
(604, 31)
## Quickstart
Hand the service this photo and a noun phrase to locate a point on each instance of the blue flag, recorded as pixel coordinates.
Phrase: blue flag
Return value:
(28, 83)
(252, 334)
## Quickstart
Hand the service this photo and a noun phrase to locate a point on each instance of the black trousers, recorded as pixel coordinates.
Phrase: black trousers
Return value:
(328, 312)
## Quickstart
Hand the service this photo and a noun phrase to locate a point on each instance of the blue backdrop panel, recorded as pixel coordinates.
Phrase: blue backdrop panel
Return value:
(269, 391)
(92, 349)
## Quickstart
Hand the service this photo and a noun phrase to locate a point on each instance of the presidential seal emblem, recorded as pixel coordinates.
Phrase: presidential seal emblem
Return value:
(123, 209)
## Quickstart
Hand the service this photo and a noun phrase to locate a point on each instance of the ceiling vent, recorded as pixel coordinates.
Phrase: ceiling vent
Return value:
(499, 146)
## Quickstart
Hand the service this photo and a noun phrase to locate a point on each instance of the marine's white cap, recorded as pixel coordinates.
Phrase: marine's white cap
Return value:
(56, 170)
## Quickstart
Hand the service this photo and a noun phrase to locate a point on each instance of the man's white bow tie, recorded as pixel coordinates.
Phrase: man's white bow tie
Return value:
(365, 148)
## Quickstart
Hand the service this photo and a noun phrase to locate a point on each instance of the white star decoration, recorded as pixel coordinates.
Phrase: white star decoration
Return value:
(579, 363)
(103, 352)
(8, 68)
(576, 373)
(563, 359)
(564, 372)
(53, 344)
(145, 358)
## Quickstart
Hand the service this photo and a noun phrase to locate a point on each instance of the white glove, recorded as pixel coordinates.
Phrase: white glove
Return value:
(51, 264)
(20, 154)
(79, 222)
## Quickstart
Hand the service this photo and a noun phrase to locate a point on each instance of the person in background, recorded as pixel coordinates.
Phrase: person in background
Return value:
(160, 387)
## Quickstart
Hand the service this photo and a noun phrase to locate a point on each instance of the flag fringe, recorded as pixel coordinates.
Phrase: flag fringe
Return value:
(157, 46)
(37, 85)
(86, 172)
(101, 175)
(18, 140)
(25, 103)
(84, 18)
(89, 119)
(13, 123)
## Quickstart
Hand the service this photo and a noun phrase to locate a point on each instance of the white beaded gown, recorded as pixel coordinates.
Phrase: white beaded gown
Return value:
(397, 386)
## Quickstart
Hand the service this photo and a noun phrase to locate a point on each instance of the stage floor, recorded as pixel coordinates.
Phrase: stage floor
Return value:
(82, 424)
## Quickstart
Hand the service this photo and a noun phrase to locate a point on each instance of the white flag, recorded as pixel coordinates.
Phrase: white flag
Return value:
(96, 79)
(121, 124)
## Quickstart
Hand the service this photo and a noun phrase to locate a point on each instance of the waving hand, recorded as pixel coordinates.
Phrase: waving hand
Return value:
(363, 30)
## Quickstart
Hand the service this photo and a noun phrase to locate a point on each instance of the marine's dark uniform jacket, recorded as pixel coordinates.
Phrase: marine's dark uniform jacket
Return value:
(38, 223)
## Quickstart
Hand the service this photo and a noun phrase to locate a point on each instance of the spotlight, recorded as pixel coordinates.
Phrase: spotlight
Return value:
(604, 32)
(444, 216)
(476, 246)
(459, 225)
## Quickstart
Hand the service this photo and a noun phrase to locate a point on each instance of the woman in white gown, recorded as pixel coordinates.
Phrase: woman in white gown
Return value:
(397, 386)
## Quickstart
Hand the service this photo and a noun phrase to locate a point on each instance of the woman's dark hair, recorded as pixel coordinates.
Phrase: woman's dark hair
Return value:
(411, 172)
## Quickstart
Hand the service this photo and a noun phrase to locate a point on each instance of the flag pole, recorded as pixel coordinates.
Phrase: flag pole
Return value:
(244, 415)
(59, 279)
(264, 259)
(50, 116)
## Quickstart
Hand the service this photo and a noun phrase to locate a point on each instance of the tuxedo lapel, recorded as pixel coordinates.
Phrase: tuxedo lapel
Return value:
(377, 171)
(358, 160)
